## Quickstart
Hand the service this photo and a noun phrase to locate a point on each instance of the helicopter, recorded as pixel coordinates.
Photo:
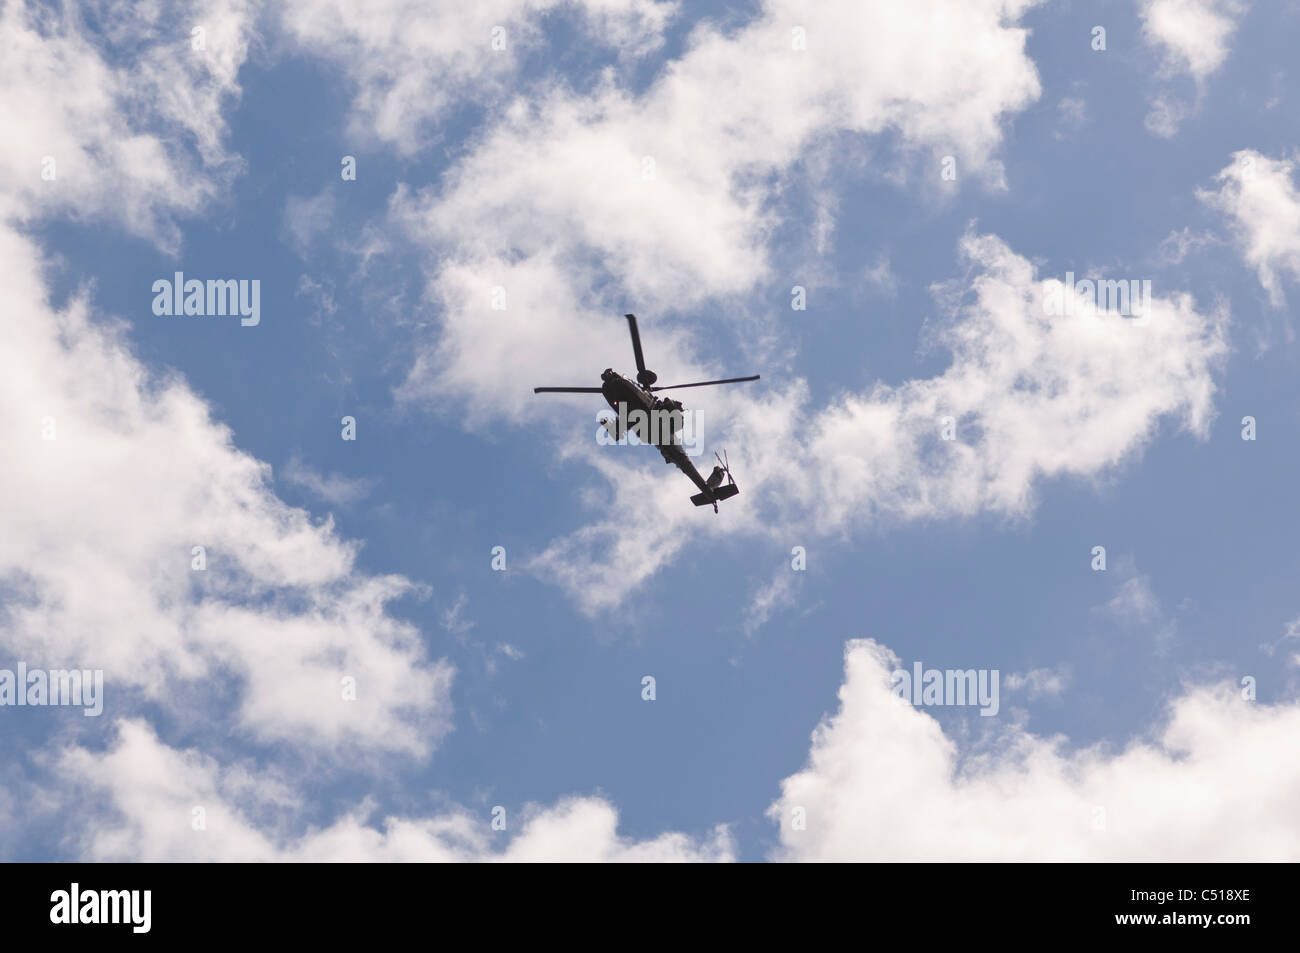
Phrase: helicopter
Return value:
(658, 420)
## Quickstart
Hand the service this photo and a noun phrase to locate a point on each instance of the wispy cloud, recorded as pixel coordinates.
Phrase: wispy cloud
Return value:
(332, 488)
(1038, 683)
(777, 594)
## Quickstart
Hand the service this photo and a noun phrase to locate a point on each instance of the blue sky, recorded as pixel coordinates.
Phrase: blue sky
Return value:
(467, 180)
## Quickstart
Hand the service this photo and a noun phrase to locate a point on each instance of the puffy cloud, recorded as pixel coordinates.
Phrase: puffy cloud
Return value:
(412, 62)
(1032, 395)
(1166, 116)
(98, 555)
(129, 115)
(1192, 37)
(153, 790)
(1260, 201)
(883, 782)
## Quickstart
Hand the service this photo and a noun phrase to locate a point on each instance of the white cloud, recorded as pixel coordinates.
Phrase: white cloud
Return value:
(777, 594)
(320, 294)
(412, 62)
(1192, 38)
(100, 552)
(307, 217)
(1033, 395)
(1135, 601)
(883, 783)
(1166, 115)
(117, 111)
(1192, 35)
(1262, 205)
(332, 488)
(1037, 683)
(1178, 244)
(453, 619)
(1292, 633)
(152, 790)
(1072, 112)
(881, 277)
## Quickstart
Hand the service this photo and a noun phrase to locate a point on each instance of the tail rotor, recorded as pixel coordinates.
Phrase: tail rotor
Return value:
(714, 489)
(726, 466)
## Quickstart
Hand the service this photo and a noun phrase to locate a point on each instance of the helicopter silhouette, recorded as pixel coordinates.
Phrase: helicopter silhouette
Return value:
(658, 420)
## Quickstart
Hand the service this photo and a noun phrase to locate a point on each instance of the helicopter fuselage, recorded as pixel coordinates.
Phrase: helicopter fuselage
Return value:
(659, 421)
(655, 420)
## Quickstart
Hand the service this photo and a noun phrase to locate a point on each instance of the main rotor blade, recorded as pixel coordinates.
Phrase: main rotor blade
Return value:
(566, 390)
(636, 343)
(729, 380)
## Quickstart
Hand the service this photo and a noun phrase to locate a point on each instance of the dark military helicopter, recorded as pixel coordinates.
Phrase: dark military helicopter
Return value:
(656, 420)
